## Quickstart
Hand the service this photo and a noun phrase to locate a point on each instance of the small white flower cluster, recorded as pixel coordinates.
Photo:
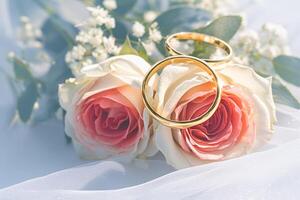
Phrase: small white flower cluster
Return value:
(269, 42)
(150, 16)
(29, 35)
(138, 30)
(34, 55)
(274, 39)
(94, 43)
(217, 7)
(154, 35)
(110, 4)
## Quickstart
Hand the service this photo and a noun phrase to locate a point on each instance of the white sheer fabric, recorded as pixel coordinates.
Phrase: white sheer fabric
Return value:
(25, 153)
(271, 173)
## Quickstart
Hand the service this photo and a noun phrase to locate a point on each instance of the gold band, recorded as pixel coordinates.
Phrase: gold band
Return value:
(182, 59)
(200, 38)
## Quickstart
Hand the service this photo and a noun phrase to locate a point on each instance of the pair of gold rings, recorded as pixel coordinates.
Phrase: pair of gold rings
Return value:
(204, 64)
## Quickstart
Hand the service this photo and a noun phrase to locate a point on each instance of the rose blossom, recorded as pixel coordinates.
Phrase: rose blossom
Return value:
(242, 123)
(104, 110)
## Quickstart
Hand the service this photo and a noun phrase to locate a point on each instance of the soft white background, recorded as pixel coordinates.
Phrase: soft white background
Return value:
(29, 152)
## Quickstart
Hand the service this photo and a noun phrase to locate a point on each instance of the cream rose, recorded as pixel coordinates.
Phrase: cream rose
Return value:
(242, 123)
(105, 115)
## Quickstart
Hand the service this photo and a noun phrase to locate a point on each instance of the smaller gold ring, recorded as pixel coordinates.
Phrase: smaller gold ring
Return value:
(201, 38)
(182, 59)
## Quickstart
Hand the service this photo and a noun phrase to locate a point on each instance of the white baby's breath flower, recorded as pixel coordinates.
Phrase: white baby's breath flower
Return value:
(95, 36)
(138, 29)
(273, 33)
(11, 55)
(98, 12)
(150, 47)
(217, 7)
(149, 16)
(91, 22)
(109, 45)
(86, 62)
(82, 37)
(99, 54)
(110, 4)
(24, 19)
(78, 52)
(154, 33)
(273, 39)
(247, 41)
(29, 34)
(110, 23)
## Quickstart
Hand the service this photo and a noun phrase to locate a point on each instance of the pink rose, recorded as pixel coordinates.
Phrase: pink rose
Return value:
(105, 115)
(232, 122)
(110, 119)
(242, 123)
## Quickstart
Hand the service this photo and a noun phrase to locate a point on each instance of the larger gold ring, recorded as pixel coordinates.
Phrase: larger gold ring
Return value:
(200, 38)
(181, 59)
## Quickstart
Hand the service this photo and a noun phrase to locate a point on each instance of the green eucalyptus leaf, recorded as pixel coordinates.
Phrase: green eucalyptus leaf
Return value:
(223, 27)
(21, 70)
(57, 74)
(142, 51)
(58, 35)
(282, 95)
(26, 100)
(48, 105)
(120, 32)
(288, 68)
(124, 6)
(183, 18)
(127, 48)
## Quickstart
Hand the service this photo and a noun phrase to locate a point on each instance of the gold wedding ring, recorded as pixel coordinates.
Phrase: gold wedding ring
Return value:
(181, 59)
(199, 37)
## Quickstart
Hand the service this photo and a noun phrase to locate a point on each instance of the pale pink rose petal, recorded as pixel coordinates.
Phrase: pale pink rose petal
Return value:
(212, 139)
(109, 118)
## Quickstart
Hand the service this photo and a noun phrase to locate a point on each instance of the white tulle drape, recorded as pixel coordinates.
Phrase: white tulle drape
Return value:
(271, 173)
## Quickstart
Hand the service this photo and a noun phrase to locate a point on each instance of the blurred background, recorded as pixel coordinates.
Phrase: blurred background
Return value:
(28, 151)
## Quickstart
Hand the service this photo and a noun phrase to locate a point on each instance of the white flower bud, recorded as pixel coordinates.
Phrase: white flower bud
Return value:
(138, 29)
(110, 23)
(110, 4)
(150, 16)
(78, 52)
(154, 33)
(109, 45)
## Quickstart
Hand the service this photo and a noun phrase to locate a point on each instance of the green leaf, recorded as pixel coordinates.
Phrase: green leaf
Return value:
(183, 18)
(124, 6)
(29, 95)
(203, 50)
(288, 68)
(58, 35)
(224, 27)
(21, 70)
(127, 48)
(57, 74)
(282, 95)
(26, 101)
(120, 31)
(48, 105)
(142, 51)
